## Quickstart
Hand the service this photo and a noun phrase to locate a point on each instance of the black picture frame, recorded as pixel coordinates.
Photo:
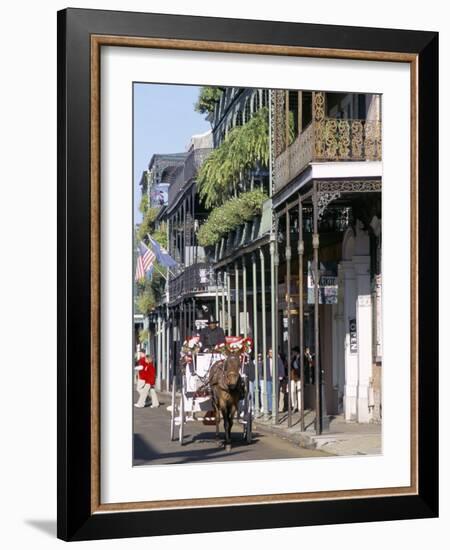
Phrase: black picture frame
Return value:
(76, 520)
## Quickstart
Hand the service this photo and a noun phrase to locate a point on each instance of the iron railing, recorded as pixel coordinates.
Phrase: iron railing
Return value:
(197, 278)
(189, 169)
(329, 139)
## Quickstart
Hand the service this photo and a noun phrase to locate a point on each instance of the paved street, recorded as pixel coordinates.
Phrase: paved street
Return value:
(152, 443)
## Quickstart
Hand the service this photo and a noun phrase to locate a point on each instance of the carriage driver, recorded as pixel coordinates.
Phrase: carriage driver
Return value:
(212, 335)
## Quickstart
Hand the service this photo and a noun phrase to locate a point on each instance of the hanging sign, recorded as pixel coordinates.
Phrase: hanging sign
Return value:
(328, 283)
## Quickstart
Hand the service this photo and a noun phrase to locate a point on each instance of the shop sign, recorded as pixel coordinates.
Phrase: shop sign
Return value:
(353, 336)
(328, 283)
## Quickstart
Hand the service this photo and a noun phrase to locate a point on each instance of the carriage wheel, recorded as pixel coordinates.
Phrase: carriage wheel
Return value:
(173, 414)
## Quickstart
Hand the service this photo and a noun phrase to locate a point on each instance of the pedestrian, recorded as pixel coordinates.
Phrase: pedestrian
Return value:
(270, 377)
(249, 369)
(295, 389)
(282, 382)
(259, 366)
(145, 384)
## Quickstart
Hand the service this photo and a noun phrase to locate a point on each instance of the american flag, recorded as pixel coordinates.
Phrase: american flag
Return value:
(144, 262)
(140, 273)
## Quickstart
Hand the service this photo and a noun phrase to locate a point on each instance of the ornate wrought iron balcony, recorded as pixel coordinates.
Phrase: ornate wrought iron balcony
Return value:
(188, 171)
(197, 278)
(329, 139)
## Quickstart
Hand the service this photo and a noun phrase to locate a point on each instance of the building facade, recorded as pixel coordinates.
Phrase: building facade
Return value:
(305, 271)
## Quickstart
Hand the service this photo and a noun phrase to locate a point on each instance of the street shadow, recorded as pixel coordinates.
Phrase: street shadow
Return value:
(210, 438)
(146, 454)
(47, 526)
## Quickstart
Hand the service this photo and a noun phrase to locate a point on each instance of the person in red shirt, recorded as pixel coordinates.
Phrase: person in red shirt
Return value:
(146, 381)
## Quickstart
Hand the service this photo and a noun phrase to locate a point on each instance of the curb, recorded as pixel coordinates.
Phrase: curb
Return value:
(301, 439)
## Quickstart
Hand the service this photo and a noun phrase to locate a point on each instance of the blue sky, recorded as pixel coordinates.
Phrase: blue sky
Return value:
(164, 120)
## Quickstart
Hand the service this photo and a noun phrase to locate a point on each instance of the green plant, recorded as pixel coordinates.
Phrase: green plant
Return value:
(146, 225)
(207, 99)
(143, 335)
(230, 215)
(145, 302)
(160, 235)
(143, 206)
(244, 148)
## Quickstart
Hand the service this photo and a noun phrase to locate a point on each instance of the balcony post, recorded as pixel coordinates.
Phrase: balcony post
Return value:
(168, 350)
(223, 312)
(276, 386)
(189, 317)
(163, 347)
(236, 297)
(217, 297)
(228, 303)
(300, 313)
(288, 302)
(183, 321)
(244, 295)
(255, 334)
(264, 335)
(184, 232)
(158, 353)
(321, 418)
(274, 315)
(315, 244)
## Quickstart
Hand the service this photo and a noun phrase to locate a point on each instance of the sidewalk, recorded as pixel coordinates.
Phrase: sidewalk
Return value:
(343, 438)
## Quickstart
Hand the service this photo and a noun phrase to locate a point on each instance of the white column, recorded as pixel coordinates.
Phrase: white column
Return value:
(351, 357)
(364, 330)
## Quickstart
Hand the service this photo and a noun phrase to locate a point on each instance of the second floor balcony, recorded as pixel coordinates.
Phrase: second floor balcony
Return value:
(186, 173)
(193, 279)
(326, 140)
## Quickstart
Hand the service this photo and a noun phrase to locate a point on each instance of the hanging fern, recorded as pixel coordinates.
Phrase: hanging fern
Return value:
(230, 215)
(244, 148)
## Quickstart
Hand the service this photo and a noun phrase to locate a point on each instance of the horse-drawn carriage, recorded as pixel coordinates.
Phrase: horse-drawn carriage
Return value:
(213, 384)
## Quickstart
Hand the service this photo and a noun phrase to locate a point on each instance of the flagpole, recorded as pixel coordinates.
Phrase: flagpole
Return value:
(165, 276)
(168, 268)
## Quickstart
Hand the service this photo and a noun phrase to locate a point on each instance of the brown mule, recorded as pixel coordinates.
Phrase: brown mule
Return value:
(226, 388)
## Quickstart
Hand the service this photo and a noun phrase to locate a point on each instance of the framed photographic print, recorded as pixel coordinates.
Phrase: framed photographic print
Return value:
(247, 274)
